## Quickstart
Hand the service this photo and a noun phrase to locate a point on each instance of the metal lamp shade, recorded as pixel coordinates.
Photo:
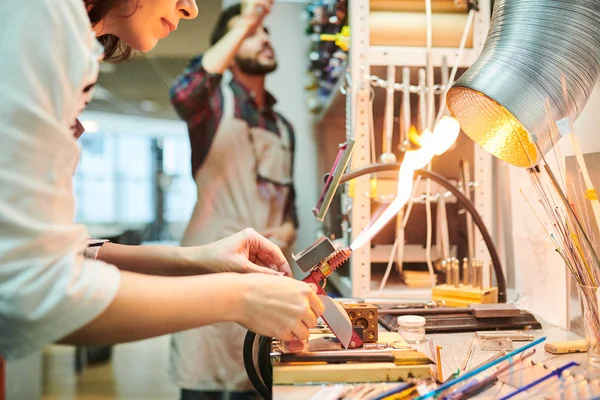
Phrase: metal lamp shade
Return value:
(511, 99)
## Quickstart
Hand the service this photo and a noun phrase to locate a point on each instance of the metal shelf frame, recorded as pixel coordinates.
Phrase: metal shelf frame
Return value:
(362, 57)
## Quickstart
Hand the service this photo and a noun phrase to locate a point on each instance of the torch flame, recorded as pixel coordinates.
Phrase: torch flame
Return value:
(432, 144)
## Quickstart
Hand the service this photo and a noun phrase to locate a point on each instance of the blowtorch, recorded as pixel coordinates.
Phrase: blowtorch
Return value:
(320, 260)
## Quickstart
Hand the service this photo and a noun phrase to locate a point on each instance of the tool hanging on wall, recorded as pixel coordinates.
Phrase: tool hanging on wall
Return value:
(422, 100)
(405, 110)
(430, 115)
(444, 71)
(442, 233)
(387, 155)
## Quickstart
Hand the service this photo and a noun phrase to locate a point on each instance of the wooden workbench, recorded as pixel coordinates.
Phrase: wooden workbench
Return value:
(459, 343)
(352, 372)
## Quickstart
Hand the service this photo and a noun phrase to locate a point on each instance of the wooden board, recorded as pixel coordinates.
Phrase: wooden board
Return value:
(363, 372)
(286, 374)
(462, 296)
(494, 310)
(390, 28)
(437, 6)
(383, 337)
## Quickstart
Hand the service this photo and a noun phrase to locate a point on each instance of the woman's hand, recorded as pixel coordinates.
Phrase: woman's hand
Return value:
(244, 252)
(278, 307)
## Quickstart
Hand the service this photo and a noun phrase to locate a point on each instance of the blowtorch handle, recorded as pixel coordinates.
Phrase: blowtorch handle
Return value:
(314, 280)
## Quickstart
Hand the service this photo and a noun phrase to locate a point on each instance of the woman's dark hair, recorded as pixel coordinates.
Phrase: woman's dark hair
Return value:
(221, 27)
(114, 48)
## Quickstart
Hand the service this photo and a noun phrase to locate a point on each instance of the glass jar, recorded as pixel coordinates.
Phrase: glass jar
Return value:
(412, 328)
(590, 312)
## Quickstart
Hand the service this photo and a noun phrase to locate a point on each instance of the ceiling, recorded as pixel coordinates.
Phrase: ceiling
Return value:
(141, 87)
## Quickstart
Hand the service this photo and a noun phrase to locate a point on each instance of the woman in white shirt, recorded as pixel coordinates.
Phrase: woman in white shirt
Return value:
(48, 290)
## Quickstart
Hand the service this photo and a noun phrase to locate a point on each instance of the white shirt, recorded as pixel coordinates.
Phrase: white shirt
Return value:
(48, 64)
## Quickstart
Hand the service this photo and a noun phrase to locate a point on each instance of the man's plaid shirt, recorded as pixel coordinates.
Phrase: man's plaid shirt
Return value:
(198, 99)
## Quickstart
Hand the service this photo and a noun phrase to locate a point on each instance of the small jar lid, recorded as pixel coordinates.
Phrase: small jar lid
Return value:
(411, 321)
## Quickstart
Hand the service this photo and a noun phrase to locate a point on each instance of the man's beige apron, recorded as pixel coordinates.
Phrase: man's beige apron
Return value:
(229, 200)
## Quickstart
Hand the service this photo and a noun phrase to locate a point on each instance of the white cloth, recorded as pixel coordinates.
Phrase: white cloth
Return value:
(229, 200)
(48, 63)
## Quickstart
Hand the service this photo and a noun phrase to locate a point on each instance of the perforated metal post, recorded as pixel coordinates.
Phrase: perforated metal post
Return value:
(360, 267)
(362, 56)
(483, 202)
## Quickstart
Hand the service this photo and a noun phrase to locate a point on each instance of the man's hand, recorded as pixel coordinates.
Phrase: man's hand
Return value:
(254, 12)
(220, 56)
(278, 307)
(244, 252)
(283, 235)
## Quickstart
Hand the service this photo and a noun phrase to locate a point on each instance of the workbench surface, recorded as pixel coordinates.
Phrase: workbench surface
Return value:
(458, 343)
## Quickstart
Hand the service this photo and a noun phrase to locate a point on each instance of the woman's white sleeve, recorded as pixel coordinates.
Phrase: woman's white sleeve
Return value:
(48, 60)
